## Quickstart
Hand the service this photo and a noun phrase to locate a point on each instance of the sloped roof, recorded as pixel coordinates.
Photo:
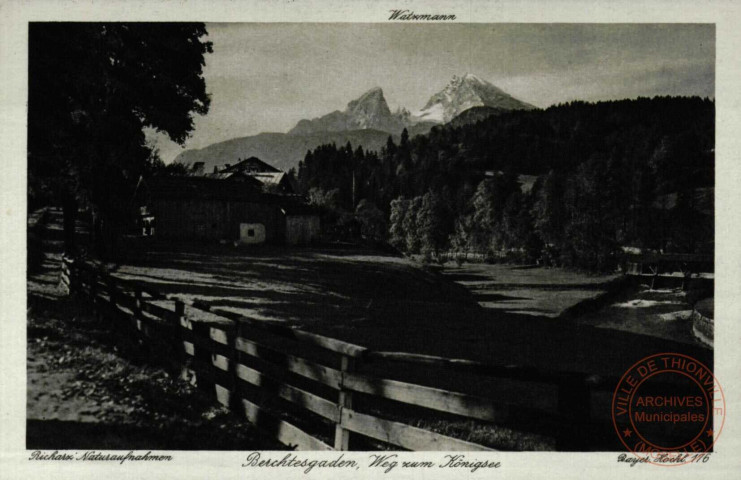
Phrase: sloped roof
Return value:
(239, 188)
(268, 178)
(187, 187)
(220, 175)
(251, 164)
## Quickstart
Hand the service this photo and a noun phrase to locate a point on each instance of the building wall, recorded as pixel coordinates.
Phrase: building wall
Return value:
(189, 219)
(302, 229)
(214, 219)
(251, 233)
(267, 214)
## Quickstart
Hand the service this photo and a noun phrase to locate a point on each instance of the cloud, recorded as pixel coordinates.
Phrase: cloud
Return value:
(615, 81)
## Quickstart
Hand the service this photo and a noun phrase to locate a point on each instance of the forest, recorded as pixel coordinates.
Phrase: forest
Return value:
(610, 175)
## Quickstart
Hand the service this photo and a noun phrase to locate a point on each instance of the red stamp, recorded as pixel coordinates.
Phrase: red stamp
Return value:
(668, 409)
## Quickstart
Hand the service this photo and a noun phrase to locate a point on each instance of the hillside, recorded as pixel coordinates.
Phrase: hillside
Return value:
(630, 172)
(278, 149)
(475, 114)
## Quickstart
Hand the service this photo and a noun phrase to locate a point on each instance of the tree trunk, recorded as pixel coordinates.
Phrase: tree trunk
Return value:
(69, 209)
(98, 233)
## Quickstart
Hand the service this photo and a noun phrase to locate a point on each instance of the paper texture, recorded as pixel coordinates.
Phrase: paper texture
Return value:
(558, 52)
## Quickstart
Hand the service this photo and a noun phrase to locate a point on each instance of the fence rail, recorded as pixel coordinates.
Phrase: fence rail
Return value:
(310, 391)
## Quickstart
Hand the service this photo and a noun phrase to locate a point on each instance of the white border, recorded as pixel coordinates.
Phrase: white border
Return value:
(14, 16)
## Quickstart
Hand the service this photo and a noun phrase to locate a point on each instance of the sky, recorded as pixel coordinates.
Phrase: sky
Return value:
(266, 77)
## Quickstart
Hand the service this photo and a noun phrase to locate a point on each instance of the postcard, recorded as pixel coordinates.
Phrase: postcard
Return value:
(373, 240)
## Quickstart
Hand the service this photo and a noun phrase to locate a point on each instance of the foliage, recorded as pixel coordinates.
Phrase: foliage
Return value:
(399, 210)
(158, 167)
(410, 225)
(93, 89)
(609, 174)
(324, 198)
(432, 226)
(372, 220)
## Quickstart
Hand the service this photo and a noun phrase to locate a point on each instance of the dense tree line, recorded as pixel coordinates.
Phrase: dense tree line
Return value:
(609, 175)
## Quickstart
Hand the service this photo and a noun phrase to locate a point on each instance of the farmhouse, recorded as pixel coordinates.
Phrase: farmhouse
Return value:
(272, 179)
(234, 208)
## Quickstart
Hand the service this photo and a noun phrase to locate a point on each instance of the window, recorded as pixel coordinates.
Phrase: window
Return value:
(251, 232)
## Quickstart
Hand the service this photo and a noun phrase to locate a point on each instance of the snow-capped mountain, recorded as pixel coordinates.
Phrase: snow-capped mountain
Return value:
(366, 121)
(463, 93)
(370, 111)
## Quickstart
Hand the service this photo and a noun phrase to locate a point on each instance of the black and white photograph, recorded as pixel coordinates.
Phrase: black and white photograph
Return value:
(411, 234)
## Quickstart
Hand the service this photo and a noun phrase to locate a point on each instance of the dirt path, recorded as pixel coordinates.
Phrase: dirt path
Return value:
(86, 389)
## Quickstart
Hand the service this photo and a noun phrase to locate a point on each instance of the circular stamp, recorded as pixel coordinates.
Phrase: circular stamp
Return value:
(668, 409)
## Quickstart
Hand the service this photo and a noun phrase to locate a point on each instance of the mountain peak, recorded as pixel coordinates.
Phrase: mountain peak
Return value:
(371, 102)
(465, 92)
(375, 94)
(369, 111)
(374, 91)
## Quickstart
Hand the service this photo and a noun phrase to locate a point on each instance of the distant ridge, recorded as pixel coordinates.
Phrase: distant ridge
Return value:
(366, 121)
(278, 149)
(475, 114)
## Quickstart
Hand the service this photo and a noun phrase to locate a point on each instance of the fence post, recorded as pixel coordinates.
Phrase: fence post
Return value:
(138, 317)
(178, 323)
(93, 286)
(342, 435)
(203, 359)
(655, 272)
(65, 276)
(72, 275)
(574, 403)
(179, 314)
(236, 357)
(93, 289)
(122, 322)
(232, 332)
(137, 301)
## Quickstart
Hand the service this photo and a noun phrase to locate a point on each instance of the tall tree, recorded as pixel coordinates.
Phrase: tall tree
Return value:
(548, 210)
(433, 222)
(397, 219)
(93, 88)
(410, 225)
(488, 202)
(518, 228)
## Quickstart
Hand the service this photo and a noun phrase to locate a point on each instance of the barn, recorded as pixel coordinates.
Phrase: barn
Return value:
(233, 209)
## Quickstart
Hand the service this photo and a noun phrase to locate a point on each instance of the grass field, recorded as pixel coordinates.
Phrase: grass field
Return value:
(542, 292)
(493, 313)
(497, 314)
(663, 313)
(333, 285)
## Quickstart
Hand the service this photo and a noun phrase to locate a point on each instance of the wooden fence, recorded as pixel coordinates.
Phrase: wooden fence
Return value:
(467, 256)
(289, 382)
